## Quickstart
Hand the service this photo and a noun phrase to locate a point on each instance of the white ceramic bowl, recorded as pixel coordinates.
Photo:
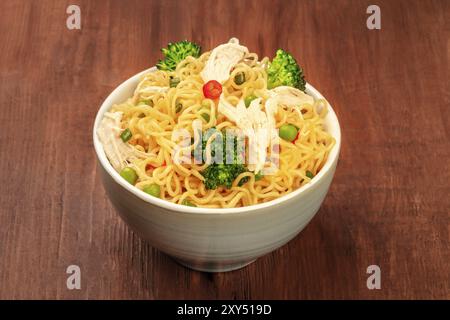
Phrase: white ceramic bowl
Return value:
(214, 240)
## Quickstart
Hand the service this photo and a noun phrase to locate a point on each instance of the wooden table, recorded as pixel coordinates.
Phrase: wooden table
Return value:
(388, 205)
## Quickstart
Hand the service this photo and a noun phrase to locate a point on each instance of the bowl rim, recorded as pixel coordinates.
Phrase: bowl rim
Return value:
(101, 156)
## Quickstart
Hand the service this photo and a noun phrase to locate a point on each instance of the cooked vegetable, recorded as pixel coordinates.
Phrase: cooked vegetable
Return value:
(288, 132)
(239, 78)
(173, 82)
(258, 176)
(188, 203)
(224, 174)
(176, 52)
(153, 190)
(205, 106)
(205, 116)
(126, 135)
(129, 174)
(309, 174)
(212, 89)
(284, 71)
(148, 102)
(249, 99)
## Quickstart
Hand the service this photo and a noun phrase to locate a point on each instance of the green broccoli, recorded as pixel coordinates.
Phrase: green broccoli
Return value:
(224, 174)
(284, 71)
(176, 52)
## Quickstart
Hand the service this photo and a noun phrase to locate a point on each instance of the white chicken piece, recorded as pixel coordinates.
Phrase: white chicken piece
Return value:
(257, 125)
(289, 96)
(222, 60)
(117, 151)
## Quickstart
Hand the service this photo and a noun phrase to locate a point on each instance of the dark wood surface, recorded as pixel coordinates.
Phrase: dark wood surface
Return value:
(388, 205)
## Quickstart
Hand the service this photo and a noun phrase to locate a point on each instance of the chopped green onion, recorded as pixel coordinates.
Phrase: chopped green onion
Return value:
(309, 174)
(188, 203)
(148, 102)
(249, 99)
(205, 116)
(174, 82)
(126, 135)
(258, 176)
(239, 78)
(205, 105)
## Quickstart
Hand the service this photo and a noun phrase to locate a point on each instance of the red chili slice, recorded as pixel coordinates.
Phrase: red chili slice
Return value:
(296, 137)
(212, 89)
(149, 166)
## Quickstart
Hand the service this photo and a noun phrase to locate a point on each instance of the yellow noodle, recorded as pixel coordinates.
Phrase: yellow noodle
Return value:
(176, 108)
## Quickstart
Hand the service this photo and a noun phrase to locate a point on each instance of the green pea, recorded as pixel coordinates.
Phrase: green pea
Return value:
(174, 82)
(153, 190)
(186, 202)
(288, 132)
(129, 174)
(309, 174)
(239, 78)
(249, 99)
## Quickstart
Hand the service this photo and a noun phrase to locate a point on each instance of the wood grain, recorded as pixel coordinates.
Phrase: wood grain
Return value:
(388, 205)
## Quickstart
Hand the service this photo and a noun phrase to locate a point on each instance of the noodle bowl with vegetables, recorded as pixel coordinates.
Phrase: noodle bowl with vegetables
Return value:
(218, 129)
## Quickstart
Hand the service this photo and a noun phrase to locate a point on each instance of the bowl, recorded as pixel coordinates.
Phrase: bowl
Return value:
(214, 240)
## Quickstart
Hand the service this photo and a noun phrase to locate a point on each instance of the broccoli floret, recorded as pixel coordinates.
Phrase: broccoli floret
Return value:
(284, 71)
(223, 174)
(176, 52)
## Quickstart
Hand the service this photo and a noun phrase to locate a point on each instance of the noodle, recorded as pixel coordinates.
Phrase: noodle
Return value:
(172, 109)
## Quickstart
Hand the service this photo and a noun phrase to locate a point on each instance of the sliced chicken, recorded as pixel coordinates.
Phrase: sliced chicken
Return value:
(222, 60)
(289, 96)
(258, 126)
(117, 151)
